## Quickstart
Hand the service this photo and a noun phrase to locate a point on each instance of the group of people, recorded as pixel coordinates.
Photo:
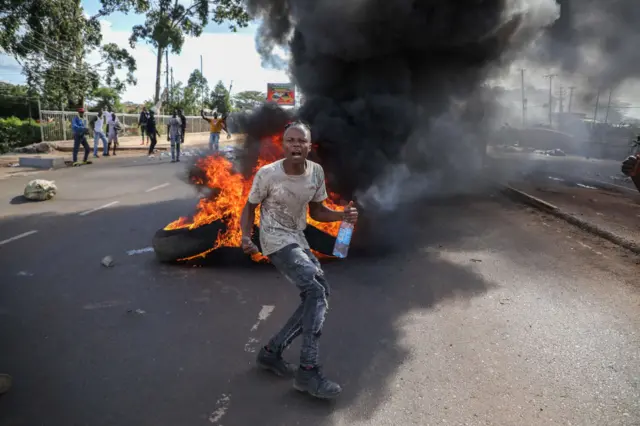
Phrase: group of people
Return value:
(176, 129)
(80, 132)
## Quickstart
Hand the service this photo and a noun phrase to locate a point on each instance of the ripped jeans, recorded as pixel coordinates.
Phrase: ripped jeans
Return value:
(302, 268)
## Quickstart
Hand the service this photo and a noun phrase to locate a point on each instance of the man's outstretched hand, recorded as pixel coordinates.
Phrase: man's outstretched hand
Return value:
(350, 213)
(248, 247)
(629, 164)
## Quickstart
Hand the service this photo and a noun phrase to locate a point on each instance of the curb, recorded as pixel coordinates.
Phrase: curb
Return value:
(572, 219)
(128, 149)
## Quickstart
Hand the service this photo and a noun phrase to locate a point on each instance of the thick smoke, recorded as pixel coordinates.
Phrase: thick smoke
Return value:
(595, 38)
(395, 90)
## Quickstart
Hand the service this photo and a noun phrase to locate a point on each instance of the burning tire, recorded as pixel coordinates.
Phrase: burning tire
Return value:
(171, 246)
(178, 244)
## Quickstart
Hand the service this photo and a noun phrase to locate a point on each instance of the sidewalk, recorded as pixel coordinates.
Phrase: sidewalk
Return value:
(610, 212)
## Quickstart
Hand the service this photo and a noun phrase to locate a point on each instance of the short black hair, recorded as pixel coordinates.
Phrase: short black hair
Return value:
(298, 123)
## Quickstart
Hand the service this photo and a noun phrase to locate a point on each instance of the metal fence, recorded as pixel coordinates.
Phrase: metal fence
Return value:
(56, 125)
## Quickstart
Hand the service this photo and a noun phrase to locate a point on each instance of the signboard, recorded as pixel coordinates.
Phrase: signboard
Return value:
(281, 93)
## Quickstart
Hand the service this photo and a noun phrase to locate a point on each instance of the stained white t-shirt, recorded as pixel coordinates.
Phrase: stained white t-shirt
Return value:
(283, 203)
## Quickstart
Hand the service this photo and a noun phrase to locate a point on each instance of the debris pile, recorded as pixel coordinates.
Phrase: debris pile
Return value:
(40, 190)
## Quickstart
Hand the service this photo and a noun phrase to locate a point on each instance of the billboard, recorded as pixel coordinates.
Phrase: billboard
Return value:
(281, 93)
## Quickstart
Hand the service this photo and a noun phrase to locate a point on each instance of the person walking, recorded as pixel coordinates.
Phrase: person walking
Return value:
(98, 133)
(113, 125)
(284, 189)
(80, 137)
(184, 123)
(174, 135)
(142, 124)
(215, 126)
(152, 131)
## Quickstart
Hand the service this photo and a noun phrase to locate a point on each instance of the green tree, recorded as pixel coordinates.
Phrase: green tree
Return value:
(248, 99)
(220, 100)
(198, 83)
(105, 99)
(51, 40)
(169, 22)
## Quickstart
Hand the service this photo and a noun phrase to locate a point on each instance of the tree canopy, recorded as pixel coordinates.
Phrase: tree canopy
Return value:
(51, 39)
(248, 99)
(220, 100)
(169, 22)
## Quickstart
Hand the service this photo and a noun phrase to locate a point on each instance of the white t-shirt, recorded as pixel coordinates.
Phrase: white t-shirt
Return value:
(283, 203)
(99, 124)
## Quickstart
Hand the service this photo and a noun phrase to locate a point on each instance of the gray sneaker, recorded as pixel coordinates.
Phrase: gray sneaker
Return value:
(313, 382)
(5, 383)
(273, 362)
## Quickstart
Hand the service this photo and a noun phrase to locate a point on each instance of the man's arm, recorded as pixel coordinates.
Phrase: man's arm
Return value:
(321, 213)
(203, 117)
(628, 167)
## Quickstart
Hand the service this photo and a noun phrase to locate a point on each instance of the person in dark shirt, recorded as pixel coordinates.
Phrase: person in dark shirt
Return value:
(184, 123)
(152, 131)
(631, 168)
(142, 123)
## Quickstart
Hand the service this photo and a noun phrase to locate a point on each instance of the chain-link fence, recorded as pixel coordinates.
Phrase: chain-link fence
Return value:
(57, 124)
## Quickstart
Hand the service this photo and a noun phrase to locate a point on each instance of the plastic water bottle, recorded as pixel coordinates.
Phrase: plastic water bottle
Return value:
(341, 248)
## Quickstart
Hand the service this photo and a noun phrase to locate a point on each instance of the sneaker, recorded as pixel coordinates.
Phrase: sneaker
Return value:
(5, 383)
(178, 160)
(313, 382)
(173, 161)
(273, 362)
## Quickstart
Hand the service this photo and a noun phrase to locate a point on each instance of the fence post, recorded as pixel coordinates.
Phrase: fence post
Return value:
(40, 114)
(64, 125)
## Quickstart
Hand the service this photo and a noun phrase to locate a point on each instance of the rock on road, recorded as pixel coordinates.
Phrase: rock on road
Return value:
(497, 316)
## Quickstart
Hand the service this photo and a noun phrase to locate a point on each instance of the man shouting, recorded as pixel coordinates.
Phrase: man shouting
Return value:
(284, 190)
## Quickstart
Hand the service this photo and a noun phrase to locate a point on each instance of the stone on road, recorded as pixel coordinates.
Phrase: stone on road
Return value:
(493, 314)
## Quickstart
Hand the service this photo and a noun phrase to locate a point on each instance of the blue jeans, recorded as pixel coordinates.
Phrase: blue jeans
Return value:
(80, 139)
(302, 268)
(105, 145)
(175, 147)
(214, 141)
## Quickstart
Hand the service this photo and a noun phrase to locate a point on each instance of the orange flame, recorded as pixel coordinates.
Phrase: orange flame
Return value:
(230, 191)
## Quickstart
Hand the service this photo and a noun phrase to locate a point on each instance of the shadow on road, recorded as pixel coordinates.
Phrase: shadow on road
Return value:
(80, 353)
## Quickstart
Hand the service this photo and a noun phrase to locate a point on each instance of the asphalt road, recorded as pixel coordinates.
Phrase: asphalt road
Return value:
(497, 315)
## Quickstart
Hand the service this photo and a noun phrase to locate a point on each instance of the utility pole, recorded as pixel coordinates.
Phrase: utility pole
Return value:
(571, 89)
(172, 85)
(166, 53)
(561, 94)
(606, 116)
(524, 101)
(550, 77)
(202, 75)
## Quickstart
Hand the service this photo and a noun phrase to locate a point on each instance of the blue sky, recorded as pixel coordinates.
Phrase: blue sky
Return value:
(226, 56)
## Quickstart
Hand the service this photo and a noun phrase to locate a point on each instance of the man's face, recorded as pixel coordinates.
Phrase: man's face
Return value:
(81, 114)
(296, 145)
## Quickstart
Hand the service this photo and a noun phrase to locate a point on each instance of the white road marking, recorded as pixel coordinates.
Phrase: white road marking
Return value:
(222, 405)
(264, 313)
(113, 203)
(157, 187)
(140, 251)
(105, 304)
(17, 237)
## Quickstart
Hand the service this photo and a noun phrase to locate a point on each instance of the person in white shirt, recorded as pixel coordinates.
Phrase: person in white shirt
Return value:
(98, 130)
(112, 131)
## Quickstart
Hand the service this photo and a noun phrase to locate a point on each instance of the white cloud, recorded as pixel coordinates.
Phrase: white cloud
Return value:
(226, 57)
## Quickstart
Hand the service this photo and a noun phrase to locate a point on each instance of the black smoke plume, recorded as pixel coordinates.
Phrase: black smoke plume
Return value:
(394, 89)
(598, 39)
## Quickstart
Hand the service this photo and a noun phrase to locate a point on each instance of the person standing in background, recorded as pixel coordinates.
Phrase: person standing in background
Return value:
(113, 126)
(80, 137)
(184, 123)
(152, 131)
(142, 123)
(215, 126)
(174, 135)
(98, 133)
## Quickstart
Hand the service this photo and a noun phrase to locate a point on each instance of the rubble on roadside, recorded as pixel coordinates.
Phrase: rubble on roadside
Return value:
(40, 190)
(37, 148)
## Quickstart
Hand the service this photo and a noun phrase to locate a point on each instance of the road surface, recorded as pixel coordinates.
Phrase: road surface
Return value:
(497, 315)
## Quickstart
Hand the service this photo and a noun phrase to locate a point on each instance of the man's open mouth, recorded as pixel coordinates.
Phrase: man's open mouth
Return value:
(296, 153)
